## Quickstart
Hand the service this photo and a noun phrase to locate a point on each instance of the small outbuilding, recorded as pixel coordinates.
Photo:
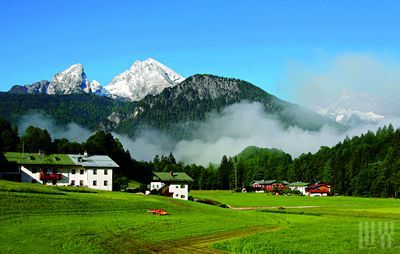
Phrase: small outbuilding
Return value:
(171, 184)
(299, 186)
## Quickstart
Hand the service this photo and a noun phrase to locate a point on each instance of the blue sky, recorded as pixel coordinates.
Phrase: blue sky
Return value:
(251, 40)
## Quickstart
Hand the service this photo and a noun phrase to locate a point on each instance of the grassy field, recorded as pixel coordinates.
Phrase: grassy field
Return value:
(44, 219)
(322, 224)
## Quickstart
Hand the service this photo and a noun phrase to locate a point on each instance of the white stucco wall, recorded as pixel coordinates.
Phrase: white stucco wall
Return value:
(317, 194)
(87, 177)
(156, 185)
(180, 191)
(101, 178)
(302, 189)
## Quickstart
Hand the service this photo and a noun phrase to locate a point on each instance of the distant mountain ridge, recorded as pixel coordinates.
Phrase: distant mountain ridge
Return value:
(179, 110)
(176, 111)
(142, 78)
(72, 80)
(356, 109)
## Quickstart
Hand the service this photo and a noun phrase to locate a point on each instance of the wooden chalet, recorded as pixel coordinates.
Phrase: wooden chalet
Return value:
(318, 189)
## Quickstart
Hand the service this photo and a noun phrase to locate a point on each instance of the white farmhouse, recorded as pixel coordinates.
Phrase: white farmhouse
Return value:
(300, 186)
(95, 171)
(172, 184)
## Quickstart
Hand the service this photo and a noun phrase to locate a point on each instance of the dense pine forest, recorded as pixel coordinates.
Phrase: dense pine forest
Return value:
(366, 165)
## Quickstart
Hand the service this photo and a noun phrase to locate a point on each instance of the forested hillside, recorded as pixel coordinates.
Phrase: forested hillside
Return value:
(366, 165)
(177, 111)
(87, 110)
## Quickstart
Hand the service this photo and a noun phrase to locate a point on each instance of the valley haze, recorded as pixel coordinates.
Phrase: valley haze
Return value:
(226, 133)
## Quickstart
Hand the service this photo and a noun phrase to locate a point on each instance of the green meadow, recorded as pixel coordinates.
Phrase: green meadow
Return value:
(44, 219)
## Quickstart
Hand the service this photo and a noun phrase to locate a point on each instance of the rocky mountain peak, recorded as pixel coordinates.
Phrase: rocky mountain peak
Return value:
(143, 78)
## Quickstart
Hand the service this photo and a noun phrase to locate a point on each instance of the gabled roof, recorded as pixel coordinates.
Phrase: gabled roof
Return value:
(39, 159)
(317, 185)
(93, 161)
(267, 182)
(264, 182)
(298, 184)
(172, 177)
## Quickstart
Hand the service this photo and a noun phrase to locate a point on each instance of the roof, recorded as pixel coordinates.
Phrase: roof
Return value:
(262, 182)
(267, 182)
(298, 184)
(39, 159)
(317, 185)
(93, 161)
(176, 177)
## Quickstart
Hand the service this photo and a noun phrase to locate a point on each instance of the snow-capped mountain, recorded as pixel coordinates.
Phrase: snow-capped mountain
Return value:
(143, 78)
(355, 109)
(71, 80)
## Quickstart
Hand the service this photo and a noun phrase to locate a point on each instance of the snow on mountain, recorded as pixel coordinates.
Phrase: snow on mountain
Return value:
(354, 109)
(143, 78)
(71, 80)
(97, 88)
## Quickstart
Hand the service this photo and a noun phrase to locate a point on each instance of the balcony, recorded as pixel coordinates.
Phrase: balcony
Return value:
(50, 176)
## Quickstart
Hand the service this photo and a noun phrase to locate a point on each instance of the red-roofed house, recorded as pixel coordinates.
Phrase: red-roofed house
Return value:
(318, 189)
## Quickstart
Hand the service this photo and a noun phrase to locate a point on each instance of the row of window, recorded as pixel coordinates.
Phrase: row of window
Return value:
(73, 171)
(81, 171)
(105, 183)
(95, 183)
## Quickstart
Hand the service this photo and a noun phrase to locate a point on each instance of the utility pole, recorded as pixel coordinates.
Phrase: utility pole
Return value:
(236, 178)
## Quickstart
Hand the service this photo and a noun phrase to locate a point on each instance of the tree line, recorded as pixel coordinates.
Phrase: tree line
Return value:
(366, 165)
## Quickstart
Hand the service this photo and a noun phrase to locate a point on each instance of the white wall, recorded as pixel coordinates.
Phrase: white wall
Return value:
(302, 189)
(156, 185)
(317, 194)
(100, 177)
(179, 191)
(87, 177)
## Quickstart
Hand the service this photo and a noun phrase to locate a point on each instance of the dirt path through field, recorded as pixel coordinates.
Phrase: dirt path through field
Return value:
(202, 244)
(272, 207)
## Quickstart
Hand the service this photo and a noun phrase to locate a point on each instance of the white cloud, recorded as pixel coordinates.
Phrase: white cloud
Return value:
(71, 131)
(361, 73)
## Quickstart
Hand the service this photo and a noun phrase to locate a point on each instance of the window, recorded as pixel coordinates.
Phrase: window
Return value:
(176, 195)
(72, 182)
(105, 171)
(105, 183)
(177, 186)
(73, 171)
(94, 183)
(81, 182)
(182, 196)
(94, 171)
(82, 171)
